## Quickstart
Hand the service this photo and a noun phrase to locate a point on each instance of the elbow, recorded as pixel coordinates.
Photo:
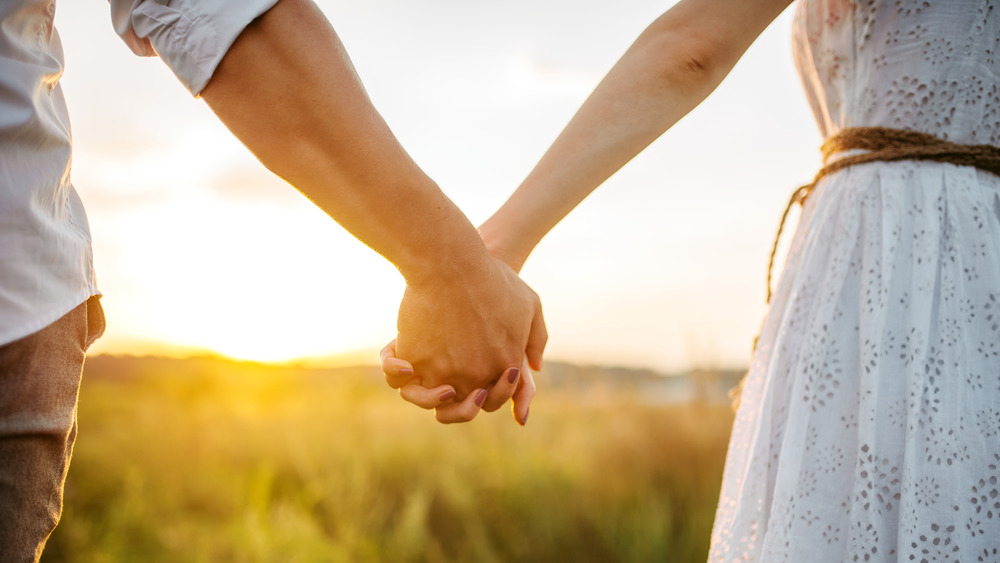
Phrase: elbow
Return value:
(687, 60)
(695, 62)
(686, 54)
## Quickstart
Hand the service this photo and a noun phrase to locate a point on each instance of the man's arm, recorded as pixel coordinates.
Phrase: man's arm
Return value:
(287, 89)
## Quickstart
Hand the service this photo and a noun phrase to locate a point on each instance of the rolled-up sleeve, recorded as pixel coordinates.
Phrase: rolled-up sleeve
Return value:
(191, 36)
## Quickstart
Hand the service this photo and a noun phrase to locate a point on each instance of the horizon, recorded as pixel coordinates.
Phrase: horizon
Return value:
(354, 361)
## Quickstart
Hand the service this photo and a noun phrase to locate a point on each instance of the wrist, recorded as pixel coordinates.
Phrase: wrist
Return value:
(455, 254)
(501, 245)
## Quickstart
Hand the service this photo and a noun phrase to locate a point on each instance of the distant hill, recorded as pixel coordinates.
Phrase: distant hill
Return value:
(645, 385)
(589, 382)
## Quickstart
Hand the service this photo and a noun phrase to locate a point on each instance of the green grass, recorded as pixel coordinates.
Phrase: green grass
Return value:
(209, 460)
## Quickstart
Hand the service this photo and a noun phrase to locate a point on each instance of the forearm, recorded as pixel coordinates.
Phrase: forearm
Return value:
(674, 65)
(288, 91)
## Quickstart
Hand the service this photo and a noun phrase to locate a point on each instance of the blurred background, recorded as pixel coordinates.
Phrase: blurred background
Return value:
(208, 460)
(232, 411)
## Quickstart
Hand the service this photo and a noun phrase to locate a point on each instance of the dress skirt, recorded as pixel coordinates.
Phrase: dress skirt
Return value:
(869, 425)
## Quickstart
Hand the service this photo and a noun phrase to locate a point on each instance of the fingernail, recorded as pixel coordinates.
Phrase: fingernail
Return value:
(525, 419)
(448, 394)
(405, 371)
(512, 375)
(481, 397)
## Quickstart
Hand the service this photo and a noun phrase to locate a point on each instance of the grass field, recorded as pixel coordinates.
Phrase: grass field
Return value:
(211, 460)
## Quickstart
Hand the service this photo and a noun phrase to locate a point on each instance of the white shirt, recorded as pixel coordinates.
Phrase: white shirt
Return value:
(46, 261)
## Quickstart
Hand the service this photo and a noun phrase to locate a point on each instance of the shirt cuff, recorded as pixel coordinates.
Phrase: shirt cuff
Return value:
(191, 36)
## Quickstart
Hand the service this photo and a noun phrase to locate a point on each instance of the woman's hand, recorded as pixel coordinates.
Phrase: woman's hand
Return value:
(516, 384)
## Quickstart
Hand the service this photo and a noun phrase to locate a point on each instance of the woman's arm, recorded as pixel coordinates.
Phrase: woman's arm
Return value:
(673, 65)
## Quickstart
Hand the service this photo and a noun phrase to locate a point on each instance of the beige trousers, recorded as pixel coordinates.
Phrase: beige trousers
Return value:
(39, 384)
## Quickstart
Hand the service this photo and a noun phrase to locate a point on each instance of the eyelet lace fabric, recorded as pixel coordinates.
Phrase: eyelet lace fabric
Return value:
(869, 425)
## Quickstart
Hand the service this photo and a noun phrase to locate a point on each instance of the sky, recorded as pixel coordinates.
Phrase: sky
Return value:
(199, 249)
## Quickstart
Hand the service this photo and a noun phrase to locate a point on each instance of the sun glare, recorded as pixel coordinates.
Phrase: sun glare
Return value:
(250, 281)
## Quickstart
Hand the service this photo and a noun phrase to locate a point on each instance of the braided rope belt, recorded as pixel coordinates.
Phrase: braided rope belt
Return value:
(886, 145)
(883, 145)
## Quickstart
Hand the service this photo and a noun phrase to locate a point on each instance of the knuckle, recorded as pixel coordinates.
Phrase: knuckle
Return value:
(439, 366)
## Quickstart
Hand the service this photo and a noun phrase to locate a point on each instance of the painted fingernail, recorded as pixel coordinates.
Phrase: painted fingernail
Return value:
(481, 397)
(512, 375)
(525, 419)
(448, 394)
(405, 371)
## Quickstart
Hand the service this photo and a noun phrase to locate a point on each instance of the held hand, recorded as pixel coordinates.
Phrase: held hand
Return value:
(467, 329)
(518, 385)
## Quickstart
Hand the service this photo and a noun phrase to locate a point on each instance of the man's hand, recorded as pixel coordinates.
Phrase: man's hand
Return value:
(468, 327)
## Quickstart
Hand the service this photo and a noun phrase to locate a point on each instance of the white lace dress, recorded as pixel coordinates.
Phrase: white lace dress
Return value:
(869, 428)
